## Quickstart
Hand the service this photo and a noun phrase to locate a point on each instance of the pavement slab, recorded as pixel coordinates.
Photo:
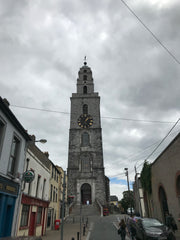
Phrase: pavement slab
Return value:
(70, 231)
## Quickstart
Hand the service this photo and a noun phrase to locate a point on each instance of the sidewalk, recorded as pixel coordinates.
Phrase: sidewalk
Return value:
(177, 234)
(70, 232)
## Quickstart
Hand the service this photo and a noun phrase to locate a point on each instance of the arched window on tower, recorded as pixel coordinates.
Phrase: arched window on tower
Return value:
(85, 109)
(85, 163)
(85, 89)
(84, 77)
(85, 139)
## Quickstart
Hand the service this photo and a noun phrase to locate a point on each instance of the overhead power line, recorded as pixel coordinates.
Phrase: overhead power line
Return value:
(159, 143)
(115, 118)
(149, 30)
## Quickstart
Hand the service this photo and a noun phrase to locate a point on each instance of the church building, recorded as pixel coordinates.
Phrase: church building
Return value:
(86, 179)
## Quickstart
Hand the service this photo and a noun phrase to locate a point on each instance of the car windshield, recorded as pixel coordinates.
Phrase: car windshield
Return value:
(149, 222)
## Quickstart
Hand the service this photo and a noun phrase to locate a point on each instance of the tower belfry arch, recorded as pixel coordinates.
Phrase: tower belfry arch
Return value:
(86, 193)
(86, 179)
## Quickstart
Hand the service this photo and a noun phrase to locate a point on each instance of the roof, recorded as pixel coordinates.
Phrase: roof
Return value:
(40, 155)
(9, 114)
(113, 198)
(169, 145)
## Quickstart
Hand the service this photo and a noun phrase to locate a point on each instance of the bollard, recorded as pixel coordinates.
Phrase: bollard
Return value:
(84, 230)
(77, 235)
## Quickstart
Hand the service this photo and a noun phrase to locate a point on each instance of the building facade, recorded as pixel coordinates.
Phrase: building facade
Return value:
(139, 205)
(86, 179)
(165, 179)
(54, 205)
(35, 196)
(13, 140)
(61, 189)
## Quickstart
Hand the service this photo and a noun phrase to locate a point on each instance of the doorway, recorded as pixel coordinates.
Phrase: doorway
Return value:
(163, 203)
(86, 194)
(32, 224)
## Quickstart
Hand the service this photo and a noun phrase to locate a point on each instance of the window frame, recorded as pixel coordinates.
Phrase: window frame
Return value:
(85, 109)
(16, 155)
(85, 90)
(39, 216)
(85, 136)
(38, 185)
(25, 216)
(4, 125)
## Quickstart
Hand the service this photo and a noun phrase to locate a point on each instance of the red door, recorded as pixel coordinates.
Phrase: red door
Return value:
(32, 224)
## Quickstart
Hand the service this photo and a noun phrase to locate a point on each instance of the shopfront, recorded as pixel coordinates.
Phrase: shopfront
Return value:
(8, 195)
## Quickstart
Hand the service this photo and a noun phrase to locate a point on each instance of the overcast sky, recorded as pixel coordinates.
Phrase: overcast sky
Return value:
(42, 47)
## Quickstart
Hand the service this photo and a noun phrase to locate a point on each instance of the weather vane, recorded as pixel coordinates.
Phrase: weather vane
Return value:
(85, 60)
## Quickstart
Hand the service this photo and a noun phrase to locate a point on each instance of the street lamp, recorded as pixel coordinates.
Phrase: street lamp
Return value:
(41, 141)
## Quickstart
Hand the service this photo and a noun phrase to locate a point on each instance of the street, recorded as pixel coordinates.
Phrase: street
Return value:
(105, 228)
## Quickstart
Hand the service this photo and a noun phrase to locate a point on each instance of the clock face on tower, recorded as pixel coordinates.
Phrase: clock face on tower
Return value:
(85, 121)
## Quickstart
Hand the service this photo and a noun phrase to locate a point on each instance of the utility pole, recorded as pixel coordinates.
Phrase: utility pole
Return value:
(64, 188)
(126, 174)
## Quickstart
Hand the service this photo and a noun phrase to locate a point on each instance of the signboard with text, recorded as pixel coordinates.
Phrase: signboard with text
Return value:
(28, 176)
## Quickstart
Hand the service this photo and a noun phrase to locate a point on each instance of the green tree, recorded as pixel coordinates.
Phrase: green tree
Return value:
(146, 177)
(128, 200)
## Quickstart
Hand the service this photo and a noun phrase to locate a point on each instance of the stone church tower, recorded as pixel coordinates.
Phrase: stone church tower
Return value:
(86, 179)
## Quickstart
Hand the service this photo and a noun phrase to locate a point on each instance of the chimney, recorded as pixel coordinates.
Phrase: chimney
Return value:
(33, 137)
(5, 101)
(46, 154)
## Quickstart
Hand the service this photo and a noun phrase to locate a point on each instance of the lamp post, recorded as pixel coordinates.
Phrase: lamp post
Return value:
(41, 141)
(126, 174)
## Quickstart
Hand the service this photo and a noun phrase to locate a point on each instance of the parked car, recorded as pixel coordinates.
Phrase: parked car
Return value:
(151, 228)
(130, 210)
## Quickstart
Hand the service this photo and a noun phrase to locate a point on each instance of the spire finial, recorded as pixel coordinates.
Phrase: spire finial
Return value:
(85, 60)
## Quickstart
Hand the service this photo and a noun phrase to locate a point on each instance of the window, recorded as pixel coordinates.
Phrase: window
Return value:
(85, 109)
(39, 215)
(85, 139)
(49, 218)
(51, 192)
(54, 192)
(29, 189)
(85, 89)
(84, 77)
(55, 174)
(14, 155)
(57, 177)
(2, 130)
(52, 171)
(24, 215)
(44, 183)
(86, 163)
(37, 187)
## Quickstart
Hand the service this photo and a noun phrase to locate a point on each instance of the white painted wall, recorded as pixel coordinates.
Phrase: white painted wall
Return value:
(43, 171)
(5, 149)
(10, 131)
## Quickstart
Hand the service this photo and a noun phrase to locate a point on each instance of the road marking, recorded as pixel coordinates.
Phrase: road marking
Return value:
(89, 232)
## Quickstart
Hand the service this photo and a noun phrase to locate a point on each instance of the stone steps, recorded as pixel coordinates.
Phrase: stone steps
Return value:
(85, 210)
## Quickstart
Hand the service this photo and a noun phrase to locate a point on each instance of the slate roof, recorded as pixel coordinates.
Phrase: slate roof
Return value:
(40, 155)
(4, 106)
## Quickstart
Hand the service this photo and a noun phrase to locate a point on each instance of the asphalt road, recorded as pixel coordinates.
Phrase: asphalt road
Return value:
(105, 228)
